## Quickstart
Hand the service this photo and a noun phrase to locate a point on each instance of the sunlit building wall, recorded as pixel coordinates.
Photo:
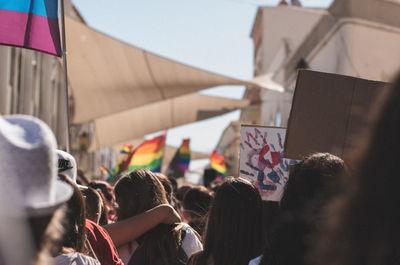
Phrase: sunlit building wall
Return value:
(359, 38)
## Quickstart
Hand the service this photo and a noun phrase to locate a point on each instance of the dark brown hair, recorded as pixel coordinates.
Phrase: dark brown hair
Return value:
(94, 204)
(271, 217)
(137, 192)
(312, 183)
(363, 227)
(167, 186)
(107, 196)
(75, 218)
(234, 233)
(197, 203)
(105, 212)
(105, 188)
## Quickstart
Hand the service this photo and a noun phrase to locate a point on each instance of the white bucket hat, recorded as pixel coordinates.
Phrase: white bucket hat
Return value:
(67, 165)
(28, 159)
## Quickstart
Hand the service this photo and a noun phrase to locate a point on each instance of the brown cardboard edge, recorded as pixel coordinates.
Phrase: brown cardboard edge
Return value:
(262, 126)
(299, 75)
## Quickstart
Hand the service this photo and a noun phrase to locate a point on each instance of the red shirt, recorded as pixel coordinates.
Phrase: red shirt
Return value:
(102, 244)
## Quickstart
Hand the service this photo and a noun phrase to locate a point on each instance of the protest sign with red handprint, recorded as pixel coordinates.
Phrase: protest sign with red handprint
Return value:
(262, 161)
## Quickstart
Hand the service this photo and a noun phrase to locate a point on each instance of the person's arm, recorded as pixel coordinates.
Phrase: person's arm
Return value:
(122, 232)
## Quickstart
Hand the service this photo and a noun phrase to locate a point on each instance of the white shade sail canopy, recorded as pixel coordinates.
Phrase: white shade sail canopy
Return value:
(137, 122)
(108, 76)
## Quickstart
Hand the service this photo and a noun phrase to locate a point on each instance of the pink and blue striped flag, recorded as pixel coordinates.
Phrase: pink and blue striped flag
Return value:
(31, 24)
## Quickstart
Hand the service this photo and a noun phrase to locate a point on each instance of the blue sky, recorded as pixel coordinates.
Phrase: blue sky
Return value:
(209, 34)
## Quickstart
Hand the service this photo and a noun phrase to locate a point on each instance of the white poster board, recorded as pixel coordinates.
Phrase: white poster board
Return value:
(261, 160)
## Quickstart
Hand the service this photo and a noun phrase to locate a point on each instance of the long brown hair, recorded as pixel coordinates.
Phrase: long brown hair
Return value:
(234, 233)
(94, 204)
(364, 228)
(75, 219)
(137, 192)
(169, 192)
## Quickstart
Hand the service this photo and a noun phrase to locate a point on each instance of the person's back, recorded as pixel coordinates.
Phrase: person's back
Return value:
(234, 232)
(312, 183)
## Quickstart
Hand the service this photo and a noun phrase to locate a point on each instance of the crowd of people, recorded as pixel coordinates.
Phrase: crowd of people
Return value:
(332, 212)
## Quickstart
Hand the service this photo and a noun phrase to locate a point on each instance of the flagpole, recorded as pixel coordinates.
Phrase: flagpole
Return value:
(64, 55)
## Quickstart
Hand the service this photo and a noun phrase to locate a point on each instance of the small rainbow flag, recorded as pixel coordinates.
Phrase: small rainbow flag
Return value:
(107, 174)
(184, 155)
(126, 149)
(31, 24)
(218, 164)
(148, 155)
(118, 167)
(180, 162)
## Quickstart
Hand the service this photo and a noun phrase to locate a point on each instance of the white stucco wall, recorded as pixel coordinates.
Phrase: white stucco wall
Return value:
(275, 108)
(353, 47)
(284, 29)
(359, 48)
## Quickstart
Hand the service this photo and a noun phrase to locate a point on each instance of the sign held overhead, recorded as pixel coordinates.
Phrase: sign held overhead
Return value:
(329, 113)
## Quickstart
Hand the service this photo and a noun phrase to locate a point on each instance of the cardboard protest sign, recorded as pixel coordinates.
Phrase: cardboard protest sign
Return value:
(329, 112)
(261, 160)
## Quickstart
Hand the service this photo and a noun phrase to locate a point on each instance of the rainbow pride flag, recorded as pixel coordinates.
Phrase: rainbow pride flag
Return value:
(107, 174)
(180, 162)
(31, 24)
(148, 155)
(126, 149)
(184, 155)
(218, 164)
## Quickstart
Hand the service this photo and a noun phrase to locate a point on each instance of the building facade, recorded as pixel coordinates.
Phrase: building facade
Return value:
(358, 38)
(276, 33)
